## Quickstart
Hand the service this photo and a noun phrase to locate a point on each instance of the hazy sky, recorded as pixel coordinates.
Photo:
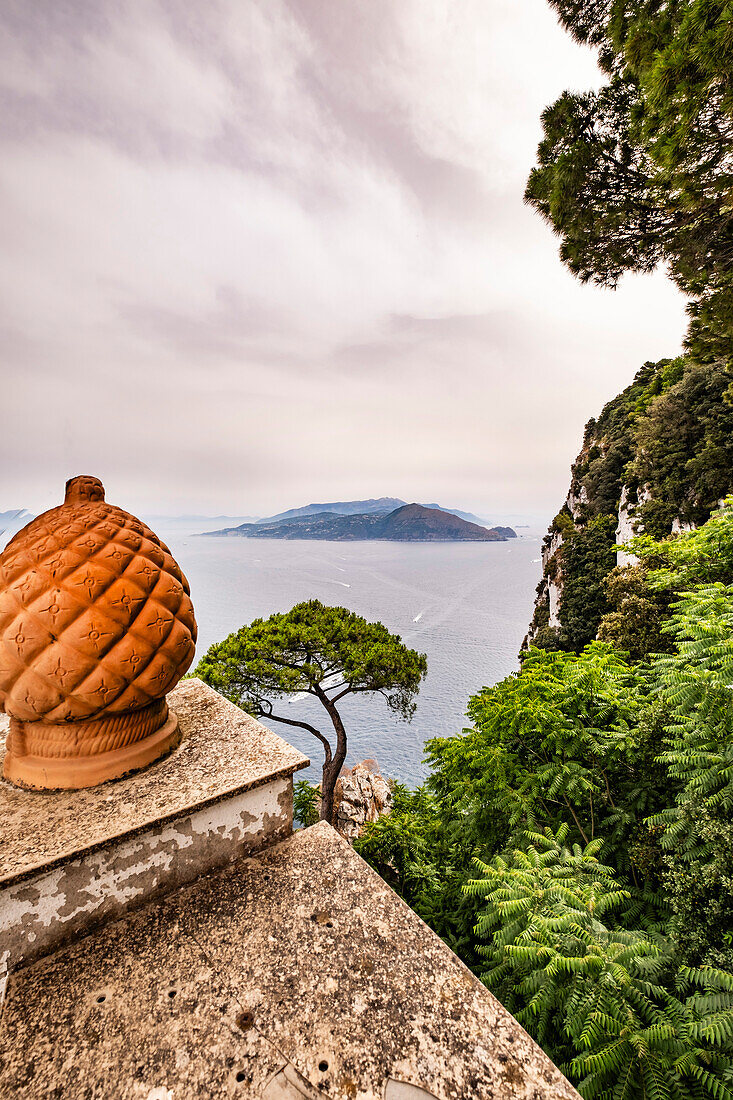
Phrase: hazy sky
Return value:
(259, 254)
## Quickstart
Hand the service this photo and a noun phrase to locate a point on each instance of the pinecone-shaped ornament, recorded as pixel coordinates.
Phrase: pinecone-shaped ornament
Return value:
(96, 626)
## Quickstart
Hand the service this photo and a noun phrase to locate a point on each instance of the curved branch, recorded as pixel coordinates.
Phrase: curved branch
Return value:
(341, 694)
(356, 690)
(303, 725)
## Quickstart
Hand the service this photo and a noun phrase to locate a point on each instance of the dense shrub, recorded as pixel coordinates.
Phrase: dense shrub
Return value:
(634, 623)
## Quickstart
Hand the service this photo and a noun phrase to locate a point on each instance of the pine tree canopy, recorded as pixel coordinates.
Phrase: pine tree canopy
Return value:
(324, 652)
(314, 649)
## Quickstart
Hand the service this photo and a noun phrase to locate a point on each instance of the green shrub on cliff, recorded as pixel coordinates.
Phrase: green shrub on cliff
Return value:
(637, 613)
(699, 557)
(684, 449)
(606, 1002)
(696, 681)
(588, 556)
(668, 439)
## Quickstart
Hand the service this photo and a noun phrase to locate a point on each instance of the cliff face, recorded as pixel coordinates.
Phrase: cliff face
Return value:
(658, 459)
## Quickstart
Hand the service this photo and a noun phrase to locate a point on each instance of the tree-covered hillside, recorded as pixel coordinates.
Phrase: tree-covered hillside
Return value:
(575, 844)
(637, 174)
(640, 172)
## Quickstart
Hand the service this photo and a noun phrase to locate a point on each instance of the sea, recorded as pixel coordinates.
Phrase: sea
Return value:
(465, 605)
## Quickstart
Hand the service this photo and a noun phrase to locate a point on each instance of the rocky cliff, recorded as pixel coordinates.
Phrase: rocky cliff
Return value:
(658, 459)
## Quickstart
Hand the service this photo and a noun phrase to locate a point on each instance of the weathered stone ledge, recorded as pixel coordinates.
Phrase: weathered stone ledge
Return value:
(293, 973)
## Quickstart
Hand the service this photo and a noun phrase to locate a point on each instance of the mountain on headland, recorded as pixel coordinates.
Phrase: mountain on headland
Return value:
(378, 505)
(13, 517)
(408, 523)
(155, 520)
(468, 516)
(11, 522)
(416, 522)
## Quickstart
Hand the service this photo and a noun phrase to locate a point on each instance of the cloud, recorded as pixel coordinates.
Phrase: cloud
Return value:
(260, 252)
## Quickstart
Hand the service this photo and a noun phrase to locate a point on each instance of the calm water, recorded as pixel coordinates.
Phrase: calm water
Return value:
(467, 606)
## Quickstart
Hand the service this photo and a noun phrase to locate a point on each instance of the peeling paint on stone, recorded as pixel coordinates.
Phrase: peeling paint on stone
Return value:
(38, 915)
(262, 969)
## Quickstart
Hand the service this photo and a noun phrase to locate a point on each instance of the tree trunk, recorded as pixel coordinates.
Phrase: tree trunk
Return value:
(328, 783)
(332, 768)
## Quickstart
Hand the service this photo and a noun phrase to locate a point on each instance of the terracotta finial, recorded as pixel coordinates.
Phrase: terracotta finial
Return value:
(83, 487)
(96, 626)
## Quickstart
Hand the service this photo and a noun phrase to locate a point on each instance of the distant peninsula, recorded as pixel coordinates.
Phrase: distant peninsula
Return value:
(408, 523)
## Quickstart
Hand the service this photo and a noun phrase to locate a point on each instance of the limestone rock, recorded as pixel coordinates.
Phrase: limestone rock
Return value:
(362, 794)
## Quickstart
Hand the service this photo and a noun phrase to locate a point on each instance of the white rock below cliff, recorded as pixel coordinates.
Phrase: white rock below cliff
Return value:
(551, 548)
(681, 526)
(626, 529)
(554, 597)
(575, 502)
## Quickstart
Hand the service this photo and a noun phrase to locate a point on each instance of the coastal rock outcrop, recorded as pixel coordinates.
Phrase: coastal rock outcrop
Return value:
(362, 794)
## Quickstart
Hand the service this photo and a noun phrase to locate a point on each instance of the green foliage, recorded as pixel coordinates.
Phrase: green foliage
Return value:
(696, 683)
(640, 171)
(597, 996)
(694, 689)
(593, 794)
(624, 969)
(563, 522)
(612, 441)
(423, 853)
(544, 636)
(313, 649)
(570, 738)
(588, 556)
(669, 433)
(306, 799)
(684, 451)
(699, 557)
